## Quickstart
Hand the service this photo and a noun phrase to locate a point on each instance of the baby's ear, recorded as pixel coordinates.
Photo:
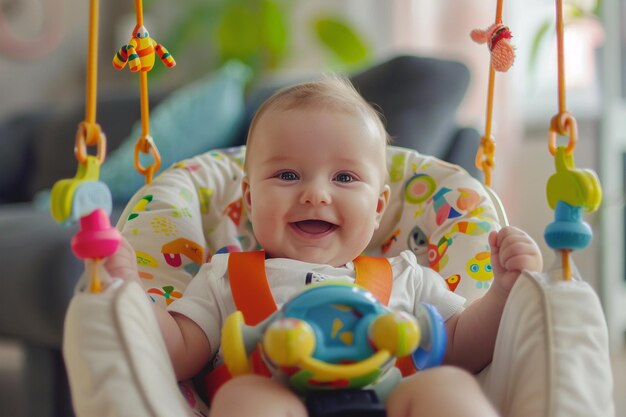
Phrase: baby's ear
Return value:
(245, 193)
(383, 201)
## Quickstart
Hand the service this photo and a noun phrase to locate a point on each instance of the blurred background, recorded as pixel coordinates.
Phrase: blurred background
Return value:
(43, 57)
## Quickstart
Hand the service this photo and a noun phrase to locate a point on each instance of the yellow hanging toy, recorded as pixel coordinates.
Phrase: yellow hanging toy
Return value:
(139, 53)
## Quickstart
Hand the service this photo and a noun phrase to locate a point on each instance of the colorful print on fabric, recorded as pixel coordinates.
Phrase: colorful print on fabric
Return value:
(437, 257)
(233, 211)
(480, 269)
(443, 209)
(145, 259)
(418, 189)
(186, 194)
(453, 281)
(228, 249)
(468, 199)
(179, 212)
(188, 167)
(417, 241)
(236, 154)
(396, 170)
(204, 195)
(173, 250)
(163, 225)
(387, 243)
(168, 292)
(140, 206)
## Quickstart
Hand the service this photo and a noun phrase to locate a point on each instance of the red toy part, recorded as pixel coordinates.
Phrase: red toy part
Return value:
(96, 237)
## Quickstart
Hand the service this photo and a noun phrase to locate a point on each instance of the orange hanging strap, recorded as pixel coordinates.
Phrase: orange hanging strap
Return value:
(563, 123)
(502, 53)
(89, 132)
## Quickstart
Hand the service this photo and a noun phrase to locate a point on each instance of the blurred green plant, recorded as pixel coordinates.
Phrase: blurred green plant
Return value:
(207, 33)
(573, 11)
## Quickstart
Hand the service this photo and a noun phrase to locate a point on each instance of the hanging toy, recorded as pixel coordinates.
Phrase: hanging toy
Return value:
(140, 51)
(498, 39)
(569, 192)
(95, 240)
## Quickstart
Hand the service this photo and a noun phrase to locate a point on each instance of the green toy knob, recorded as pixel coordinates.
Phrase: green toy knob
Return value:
(576, 187)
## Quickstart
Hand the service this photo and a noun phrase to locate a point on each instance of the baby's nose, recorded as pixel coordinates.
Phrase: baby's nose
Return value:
(315, 194)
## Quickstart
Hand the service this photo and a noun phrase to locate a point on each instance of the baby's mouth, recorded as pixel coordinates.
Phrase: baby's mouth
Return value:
(314, 227)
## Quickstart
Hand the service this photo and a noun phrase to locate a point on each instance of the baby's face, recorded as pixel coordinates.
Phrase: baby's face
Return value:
(315, 189)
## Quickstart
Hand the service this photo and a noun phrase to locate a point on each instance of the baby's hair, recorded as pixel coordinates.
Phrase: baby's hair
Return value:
(331, 92)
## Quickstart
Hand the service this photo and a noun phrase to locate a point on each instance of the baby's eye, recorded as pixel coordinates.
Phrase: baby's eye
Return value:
(288, 176)
(344, 177)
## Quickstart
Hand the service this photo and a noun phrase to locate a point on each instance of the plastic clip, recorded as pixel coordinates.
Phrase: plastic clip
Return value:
(76, 197)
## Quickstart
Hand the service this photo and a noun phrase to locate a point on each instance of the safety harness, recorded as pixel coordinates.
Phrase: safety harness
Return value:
(253, 297)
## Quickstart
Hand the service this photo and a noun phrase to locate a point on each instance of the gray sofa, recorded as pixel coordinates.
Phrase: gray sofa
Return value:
(418, 97)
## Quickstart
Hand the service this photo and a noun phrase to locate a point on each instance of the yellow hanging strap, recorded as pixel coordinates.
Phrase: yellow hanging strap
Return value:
(140, 54)
(497, 37)
(569, 190)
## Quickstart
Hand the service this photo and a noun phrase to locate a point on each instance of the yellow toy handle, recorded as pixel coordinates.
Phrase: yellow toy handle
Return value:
(233, 346)
(325, 372)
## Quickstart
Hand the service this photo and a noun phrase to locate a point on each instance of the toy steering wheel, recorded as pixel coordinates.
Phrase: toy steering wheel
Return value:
(334, 335)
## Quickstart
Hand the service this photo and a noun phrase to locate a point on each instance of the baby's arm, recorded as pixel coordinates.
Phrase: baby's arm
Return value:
(472, 333)
(187, 345)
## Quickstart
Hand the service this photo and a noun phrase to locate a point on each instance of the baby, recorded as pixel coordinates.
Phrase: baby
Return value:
(315, 191)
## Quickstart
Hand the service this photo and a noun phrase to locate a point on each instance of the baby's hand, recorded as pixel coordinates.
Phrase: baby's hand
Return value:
(123, 263)
(512, 250)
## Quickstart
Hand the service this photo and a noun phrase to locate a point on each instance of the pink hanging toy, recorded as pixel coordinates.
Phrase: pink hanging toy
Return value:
(498, 39)
(96, 238)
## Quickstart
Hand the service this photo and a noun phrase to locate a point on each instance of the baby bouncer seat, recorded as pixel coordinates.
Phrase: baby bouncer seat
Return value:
(117, 362)
(551, 354)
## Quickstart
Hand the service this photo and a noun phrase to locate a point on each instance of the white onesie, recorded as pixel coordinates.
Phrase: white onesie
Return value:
(208, 299)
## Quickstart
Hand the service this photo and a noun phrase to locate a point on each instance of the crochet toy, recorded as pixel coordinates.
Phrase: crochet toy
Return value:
(140, 52)
(498, 39)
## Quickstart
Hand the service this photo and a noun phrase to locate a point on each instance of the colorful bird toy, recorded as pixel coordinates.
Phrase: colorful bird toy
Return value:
(139, 52)
(334, 335)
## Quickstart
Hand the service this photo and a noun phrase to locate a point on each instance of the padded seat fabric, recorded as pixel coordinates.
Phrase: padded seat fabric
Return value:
(194, 210)
(551, 355)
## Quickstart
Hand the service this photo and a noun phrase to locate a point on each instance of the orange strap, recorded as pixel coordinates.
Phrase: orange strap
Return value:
(375, 275)
(248, 283)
